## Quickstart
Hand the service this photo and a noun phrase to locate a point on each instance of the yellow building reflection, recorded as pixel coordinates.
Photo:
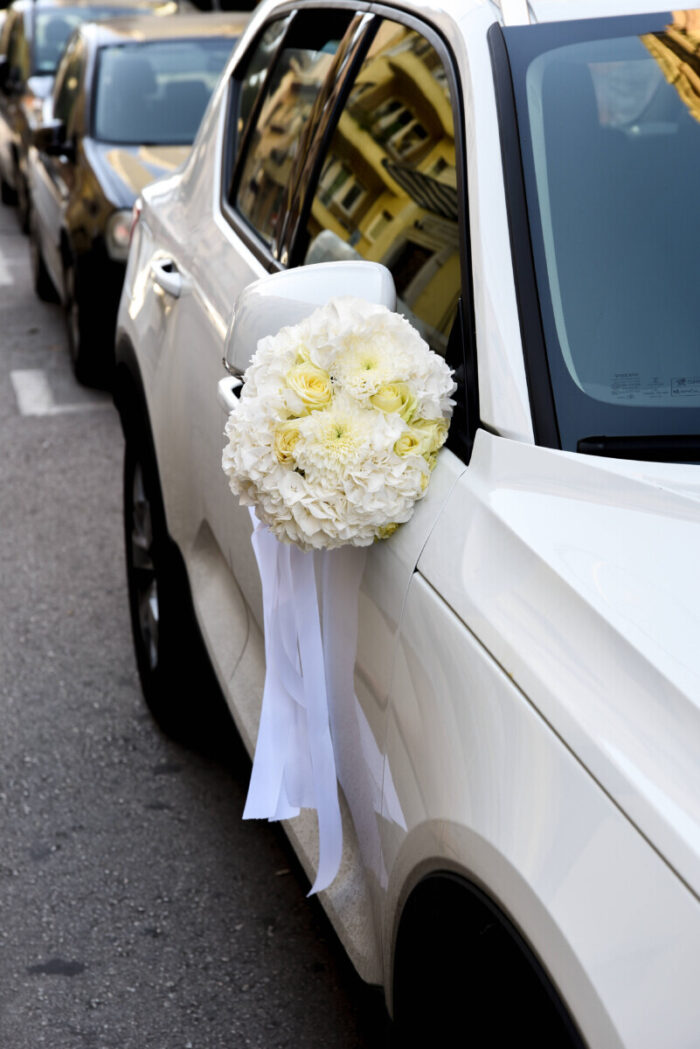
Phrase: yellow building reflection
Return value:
(388, 189)
(677, 52)
(388, 186)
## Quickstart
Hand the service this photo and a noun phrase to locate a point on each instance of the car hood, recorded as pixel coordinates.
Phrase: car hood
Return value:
(123, 171)
(582, 577)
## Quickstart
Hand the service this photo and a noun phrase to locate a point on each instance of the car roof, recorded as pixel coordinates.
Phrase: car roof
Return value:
(146, 27)
(565, 10)
(521, 12)
(158, 7)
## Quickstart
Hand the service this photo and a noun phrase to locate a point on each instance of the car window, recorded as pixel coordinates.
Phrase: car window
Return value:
(609, 123)
(67, 87)
(256, 69)
(272, 142)
(156, 91)
(387, 190)
(53, 27)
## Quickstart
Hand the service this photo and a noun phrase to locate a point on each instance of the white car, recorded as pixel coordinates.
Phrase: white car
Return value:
(521, 768)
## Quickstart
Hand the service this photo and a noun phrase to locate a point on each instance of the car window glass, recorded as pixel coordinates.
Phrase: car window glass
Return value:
(53, 27)
(255, 71)
(156, 92)
(291, 90)
(68, 87)
(387, 191)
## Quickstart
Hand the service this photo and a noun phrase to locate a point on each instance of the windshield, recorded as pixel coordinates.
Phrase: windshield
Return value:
(156, 93)
(54, 25)
(609, 119)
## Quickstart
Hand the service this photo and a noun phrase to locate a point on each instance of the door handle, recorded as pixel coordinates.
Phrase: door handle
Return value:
(228, 392)
(166, 275)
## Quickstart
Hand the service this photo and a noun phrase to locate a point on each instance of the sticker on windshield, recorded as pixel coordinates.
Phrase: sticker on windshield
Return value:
(686, 387)
(625, 386)
(631, 386)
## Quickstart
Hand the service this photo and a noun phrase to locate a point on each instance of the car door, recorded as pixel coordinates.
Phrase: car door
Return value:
(386, 187)
(54, 178)
(235, 243)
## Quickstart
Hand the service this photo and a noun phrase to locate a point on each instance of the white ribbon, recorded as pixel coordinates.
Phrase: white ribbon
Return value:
(294, 765)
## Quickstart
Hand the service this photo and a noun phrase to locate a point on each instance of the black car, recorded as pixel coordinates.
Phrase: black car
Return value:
(34, 35)
(127, 103)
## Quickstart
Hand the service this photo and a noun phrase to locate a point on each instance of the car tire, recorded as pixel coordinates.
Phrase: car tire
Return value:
(22, 196)
(43, 285)
(7, 193)
(177, 680)
(464, 976)
(83, 333)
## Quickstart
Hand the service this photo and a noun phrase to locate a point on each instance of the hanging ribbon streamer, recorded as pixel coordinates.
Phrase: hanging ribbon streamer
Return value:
(294, 764)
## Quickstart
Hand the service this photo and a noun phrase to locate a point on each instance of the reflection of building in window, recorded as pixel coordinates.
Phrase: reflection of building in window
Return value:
(267, 169)
(396, 127)
(339, 188)
(392, 162)
(676, 52)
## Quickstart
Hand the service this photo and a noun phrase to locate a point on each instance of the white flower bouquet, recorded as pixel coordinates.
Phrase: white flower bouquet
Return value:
(338, 427)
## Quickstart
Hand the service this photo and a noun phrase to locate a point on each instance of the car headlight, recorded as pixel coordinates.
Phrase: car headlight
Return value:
(118, 235)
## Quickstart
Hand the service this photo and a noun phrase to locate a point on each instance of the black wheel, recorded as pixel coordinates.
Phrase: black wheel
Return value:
(176, 678)
(86, 341)
(463, 976)
(22, 194)
(43, 285)
(7, 194)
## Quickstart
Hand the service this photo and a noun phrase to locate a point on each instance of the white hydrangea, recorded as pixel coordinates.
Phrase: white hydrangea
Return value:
(338, 426)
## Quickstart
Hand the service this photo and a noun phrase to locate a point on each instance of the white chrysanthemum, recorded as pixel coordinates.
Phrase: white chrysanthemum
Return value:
(321, 470)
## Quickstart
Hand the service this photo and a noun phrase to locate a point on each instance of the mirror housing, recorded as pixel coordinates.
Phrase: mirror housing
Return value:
(50, 138)
(287, 297)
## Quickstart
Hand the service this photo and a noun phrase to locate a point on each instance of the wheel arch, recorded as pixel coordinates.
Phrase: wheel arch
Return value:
(442, 907)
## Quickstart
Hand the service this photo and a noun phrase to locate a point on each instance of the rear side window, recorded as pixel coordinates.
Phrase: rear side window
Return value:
(256, 69)
(387, 191)
(279, 117)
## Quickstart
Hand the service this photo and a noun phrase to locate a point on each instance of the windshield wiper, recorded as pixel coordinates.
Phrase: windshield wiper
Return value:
(660, 448)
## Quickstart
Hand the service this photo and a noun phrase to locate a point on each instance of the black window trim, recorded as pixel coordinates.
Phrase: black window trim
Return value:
(539, 383)
(230, 171)
(332, 103)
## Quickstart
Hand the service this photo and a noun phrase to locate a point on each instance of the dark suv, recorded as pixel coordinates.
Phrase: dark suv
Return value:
(33, 38)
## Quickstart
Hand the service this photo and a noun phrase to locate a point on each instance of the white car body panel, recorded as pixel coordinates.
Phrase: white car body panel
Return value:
(556, 768)
(509, 805)
(538, 538)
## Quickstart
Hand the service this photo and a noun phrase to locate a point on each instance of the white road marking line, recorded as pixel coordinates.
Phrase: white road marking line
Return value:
(34, 395)
(6, 277)
(12, 264)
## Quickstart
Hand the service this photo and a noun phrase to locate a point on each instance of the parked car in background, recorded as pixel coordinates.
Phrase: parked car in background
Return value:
(33, 37)
(127, 102)
(521, 767)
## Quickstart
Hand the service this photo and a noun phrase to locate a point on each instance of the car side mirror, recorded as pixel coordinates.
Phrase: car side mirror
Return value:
(287, 297)
(50, 138)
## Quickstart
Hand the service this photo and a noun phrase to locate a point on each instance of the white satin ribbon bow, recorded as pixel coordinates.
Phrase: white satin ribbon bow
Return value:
(294, 764)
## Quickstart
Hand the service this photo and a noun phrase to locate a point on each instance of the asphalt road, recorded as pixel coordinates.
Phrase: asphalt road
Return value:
(137, 910)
